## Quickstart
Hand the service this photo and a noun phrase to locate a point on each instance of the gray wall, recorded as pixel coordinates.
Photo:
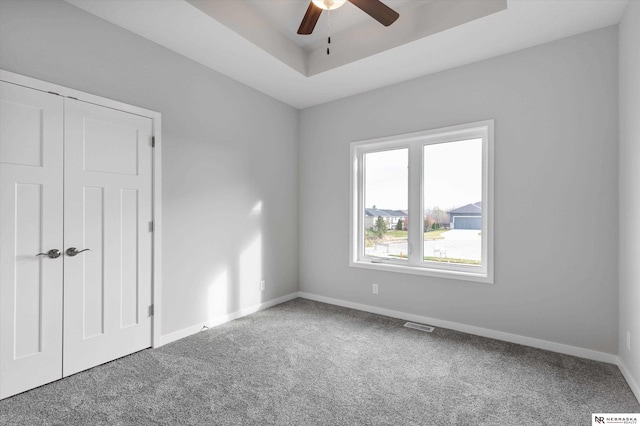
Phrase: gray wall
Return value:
(226, 149)
(556, 156)
(629, 189)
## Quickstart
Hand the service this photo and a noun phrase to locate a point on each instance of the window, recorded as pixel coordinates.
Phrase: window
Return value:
(422, 203)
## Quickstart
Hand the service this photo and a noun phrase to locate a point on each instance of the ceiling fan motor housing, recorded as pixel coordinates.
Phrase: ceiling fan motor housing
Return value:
(329, 4)
(374, 8)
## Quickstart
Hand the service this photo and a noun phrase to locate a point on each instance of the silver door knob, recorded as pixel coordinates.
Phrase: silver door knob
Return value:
(72, 251)
(53, 253)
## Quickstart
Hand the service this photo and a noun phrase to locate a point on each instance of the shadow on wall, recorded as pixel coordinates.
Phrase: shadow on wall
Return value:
(237, 286)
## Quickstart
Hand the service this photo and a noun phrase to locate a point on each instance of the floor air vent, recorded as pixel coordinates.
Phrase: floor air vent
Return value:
(420, 327)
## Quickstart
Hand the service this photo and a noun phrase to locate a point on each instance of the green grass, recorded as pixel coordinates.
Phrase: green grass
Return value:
(397, 234)
(393, 234)
(434, 234)
(401, 235)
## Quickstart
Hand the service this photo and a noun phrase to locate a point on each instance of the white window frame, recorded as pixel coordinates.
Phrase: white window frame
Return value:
(415, 264)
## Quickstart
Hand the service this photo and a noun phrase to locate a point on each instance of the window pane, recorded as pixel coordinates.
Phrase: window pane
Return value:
(453, 202)
(386, 202)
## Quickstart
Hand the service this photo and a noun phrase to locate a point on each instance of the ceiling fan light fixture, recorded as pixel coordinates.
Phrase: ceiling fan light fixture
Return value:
(329, 4)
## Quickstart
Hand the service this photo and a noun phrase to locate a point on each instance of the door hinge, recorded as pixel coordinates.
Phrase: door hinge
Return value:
(151, 310)
(151, 226)
(153, 141)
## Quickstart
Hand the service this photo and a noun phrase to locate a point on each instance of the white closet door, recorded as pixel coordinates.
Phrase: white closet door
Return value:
(108, 210)
(31, 154)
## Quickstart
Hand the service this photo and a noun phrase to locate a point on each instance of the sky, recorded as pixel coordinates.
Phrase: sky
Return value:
(452, 176)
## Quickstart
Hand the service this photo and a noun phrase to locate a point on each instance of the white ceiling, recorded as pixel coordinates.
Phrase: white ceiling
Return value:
(255, 41)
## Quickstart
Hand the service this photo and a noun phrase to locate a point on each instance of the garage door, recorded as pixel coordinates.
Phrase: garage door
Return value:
(467, 222)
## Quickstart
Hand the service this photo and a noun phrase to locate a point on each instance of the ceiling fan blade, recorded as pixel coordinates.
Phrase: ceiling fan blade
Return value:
(310, 18)
(378, 11)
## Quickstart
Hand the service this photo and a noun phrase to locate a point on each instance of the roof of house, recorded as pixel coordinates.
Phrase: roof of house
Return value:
(469, 208)
(384, 213)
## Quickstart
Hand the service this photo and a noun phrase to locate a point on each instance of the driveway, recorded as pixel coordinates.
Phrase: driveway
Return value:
(462, 234)
(457, 244)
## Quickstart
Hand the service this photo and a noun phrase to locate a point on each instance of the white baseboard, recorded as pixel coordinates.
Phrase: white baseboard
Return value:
(478, 331)
(629, 378)
(193, 329)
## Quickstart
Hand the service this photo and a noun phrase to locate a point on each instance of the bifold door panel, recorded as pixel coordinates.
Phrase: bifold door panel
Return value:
(31, 158)
(107, 210)
(72, 300)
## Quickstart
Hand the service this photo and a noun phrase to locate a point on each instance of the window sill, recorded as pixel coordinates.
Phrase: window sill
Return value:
(431, 272)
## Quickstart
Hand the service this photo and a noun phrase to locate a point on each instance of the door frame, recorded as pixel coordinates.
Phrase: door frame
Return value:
(156, 118)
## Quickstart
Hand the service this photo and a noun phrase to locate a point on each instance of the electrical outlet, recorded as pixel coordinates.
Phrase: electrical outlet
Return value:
(263, 284)
(375, 288)
(628, 340)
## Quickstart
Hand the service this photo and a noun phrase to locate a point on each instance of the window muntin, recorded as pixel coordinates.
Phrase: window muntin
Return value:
(458, 159)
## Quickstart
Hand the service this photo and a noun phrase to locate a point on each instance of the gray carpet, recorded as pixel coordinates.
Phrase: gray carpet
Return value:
(308, 363)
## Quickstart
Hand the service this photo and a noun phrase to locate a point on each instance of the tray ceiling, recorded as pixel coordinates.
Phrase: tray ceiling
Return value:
(255, 41)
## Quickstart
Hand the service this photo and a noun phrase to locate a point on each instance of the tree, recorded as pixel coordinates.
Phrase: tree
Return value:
(399, 225)
(428, 222)
(381, 227)
(439, 216)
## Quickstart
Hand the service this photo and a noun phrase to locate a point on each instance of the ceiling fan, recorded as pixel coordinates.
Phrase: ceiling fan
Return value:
(374, 8)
